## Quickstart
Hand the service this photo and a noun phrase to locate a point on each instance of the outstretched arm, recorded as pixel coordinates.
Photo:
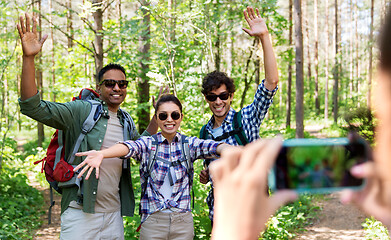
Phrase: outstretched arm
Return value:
(31, 46)
(95, 158)
(259, 29)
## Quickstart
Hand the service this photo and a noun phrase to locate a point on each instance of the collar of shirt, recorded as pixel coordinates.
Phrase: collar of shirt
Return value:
(227, 120)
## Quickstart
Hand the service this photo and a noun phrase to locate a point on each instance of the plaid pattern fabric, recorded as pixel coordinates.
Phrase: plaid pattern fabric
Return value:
(252, 117)
(153, 200)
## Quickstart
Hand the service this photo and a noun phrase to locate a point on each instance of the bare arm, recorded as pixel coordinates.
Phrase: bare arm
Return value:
(259, 29)
(152, 126)
(31, 46)
(95, 158)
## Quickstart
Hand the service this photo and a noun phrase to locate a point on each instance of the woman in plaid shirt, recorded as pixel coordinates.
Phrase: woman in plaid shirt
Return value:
(165, 205)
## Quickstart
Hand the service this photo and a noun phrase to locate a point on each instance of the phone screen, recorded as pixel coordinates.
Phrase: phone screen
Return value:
(318, 165)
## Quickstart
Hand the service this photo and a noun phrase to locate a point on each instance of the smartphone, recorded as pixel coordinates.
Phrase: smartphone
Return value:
(318, 165)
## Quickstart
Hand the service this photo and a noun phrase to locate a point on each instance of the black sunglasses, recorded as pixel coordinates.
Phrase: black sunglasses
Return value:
(110, 83)
(174, 115)
(213, 97)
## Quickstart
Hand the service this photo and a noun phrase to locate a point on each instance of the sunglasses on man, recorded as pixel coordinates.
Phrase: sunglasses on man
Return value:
(174, 115)
(110, 83)
(213, 97)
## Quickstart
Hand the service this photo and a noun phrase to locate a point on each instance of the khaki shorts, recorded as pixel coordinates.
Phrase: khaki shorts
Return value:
(76, 224)
(168, 225)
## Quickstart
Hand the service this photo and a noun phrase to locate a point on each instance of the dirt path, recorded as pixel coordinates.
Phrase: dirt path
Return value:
(335, 221)
(47, 231)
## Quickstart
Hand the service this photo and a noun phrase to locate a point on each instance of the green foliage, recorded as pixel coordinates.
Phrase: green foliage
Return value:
(291, 219)
(20, 204)
(362, 121)
(374, 229)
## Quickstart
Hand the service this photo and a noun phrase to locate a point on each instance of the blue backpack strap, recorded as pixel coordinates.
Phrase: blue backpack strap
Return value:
(187, 159)
(129, 127)
(92, 118)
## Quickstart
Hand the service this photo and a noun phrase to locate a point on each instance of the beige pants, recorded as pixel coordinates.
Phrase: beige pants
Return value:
(76, 224)
(168, 226)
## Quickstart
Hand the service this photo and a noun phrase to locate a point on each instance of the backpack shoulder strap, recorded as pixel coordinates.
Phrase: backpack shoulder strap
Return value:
(129, 126)
(153, 154)
(186, 151)
(203, 132)
(240, 136)
(92, 118)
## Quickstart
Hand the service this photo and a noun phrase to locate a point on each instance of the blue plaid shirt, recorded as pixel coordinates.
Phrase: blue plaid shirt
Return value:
(252, 117)
(153, 200)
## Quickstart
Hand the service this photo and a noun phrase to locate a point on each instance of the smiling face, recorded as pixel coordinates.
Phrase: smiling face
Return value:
(112, 96)
(220, 108)
(169, 126)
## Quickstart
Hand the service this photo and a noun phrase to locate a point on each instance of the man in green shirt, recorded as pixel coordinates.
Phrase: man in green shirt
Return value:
(97, 213)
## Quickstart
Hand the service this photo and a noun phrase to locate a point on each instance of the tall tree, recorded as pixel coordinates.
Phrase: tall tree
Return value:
(289, 84)
(299, 71)
(316, 74)
(370, 57)
(326, 90)
(69, 24)
(98, 29)
(336, 65)
(39, 77)
(143, 79)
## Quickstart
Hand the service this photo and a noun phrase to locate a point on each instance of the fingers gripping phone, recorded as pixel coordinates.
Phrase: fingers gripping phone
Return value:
(318, 165)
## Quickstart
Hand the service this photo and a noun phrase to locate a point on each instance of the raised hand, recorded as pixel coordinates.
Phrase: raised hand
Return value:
(93, 160)
(31, 45)
(162, 91)
(256, 23)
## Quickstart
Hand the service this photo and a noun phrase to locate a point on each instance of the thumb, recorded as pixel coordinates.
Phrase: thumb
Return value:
(247, 31)
(280, 198)
(43, 39)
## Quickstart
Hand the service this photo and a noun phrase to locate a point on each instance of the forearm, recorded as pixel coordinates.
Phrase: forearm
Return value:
(220, 148)
(270, 62)
(28, 88)
(117, 150)
(152, 126)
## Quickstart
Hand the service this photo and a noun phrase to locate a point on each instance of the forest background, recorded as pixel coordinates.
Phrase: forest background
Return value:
(326, 53)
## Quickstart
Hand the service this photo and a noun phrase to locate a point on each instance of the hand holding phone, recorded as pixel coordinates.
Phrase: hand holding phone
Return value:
(318, 165)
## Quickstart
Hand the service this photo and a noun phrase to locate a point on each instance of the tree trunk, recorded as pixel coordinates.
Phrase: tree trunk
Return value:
(52, 55)
(172, 40)
(336, 67)
(218, 36)
(299, 71)
(119, 10)
(98, 19)
(317, 104)
(370, 57)
(38, 76)
(143, 80)
(289, 85)
(326, 90)
(69, 24)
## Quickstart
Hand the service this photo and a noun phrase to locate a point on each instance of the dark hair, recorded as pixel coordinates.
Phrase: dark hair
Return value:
(384, 43)
(214, 80)
(168, 98)
(108, 67)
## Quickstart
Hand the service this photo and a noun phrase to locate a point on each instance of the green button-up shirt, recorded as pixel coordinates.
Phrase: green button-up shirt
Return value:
(69, 117)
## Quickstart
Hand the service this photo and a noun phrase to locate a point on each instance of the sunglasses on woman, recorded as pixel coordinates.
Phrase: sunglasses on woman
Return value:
(213, 97)
(174, 115)
(110, 83)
